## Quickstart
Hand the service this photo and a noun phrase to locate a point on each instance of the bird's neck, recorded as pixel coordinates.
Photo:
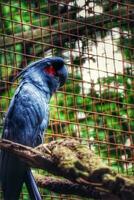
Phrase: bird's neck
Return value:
(44, 82)
(41, 85)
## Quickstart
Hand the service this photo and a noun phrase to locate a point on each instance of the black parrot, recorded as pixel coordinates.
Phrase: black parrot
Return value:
(26, 120)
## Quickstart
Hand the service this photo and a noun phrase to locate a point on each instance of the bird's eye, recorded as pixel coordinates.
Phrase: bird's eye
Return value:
(50, 70)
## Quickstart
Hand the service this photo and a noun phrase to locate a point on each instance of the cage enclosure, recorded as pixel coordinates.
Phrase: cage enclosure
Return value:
(96, 40)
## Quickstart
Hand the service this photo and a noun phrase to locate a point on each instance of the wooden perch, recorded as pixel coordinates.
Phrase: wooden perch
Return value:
(64, 186)
(76, 162)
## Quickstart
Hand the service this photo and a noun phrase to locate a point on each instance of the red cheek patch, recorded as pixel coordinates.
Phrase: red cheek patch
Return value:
(50, 70)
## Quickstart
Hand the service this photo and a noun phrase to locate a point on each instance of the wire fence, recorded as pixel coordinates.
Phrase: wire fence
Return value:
(96, 39)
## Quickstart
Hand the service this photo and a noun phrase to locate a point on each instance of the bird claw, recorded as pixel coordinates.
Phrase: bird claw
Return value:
(47, 149)
(43, 149)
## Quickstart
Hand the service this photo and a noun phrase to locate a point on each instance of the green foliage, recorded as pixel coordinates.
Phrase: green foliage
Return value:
(14, 16)
(4, 102)
(7, 61)
(128, 45)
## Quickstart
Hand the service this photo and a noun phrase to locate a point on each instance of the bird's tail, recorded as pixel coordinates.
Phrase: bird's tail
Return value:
(13, 173)
(31, 186)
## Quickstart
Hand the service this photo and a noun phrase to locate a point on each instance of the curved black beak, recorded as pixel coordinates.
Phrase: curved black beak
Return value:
(62, 74)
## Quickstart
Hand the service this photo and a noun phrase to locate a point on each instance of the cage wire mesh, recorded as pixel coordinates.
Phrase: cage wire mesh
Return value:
(96, 39)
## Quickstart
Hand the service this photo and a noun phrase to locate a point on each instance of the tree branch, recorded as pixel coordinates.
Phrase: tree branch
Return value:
(64, 186)
(76, 162)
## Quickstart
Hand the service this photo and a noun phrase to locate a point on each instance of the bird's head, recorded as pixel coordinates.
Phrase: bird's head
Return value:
(50, 72)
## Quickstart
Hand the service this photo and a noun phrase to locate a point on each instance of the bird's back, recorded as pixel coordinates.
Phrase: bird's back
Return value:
(26, 119)
(27, 116)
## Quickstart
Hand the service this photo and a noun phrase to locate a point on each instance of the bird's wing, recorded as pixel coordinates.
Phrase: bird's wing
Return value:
(27, 116)
(26, 119)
